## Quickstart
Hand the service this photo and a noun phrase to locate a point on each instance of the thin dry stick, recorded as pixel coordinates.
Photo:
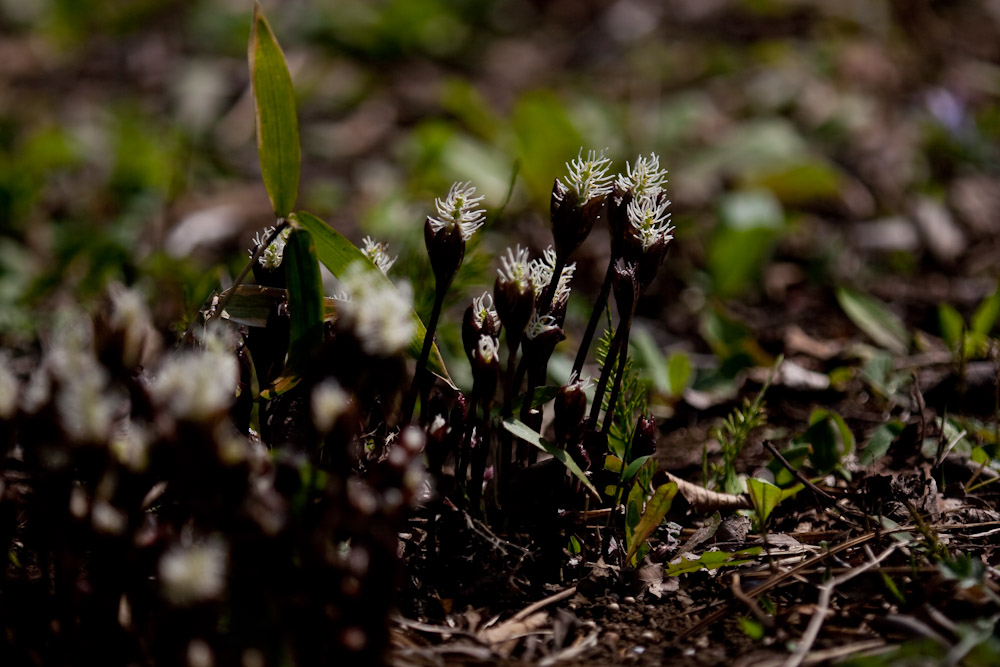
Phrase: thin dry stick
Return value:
(544, 602)
(823, 605)
(817, 492)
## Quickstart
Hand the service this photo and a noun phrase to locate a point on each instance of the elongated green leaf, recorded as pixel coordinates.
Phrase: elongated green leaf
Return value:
(712, 560)
(656, 509)
(305, 295)
(634, 467)
(305, 306)
(337, 254)
(875, 319)
(529, 435)
(274, 111)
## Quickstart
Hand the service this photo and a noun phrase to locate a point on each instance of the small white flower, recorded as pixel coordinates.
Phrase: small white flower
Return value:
(197, 384)
(328, 402)
(516, 268)
(649, 217)
(273, 253)
(488, 349)
(539, 325)
(130, 445)
(482, 308)
(107, 518)
(459, 208)
(583, 385)
(130, 315)
(644, 178)
(588, 177)
(378, 253)
(86, 409)
(377, 313)
(191, 574)
(542, 269)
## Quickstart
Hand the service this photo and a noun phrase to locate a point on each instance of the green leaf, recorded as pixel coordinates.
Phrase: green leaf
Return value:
(875, 319)
(712, 560)
(679, 372)
(250, 305)
(305, 294)
(305, 307)
(752, 628)
(529, 435)
(649, 358)
(656, 509)
(634, 467)
(765, 497)
(879, 443)
(829, 437)
(986, 315)
(952, 326)
(274, 111)
(337, 254)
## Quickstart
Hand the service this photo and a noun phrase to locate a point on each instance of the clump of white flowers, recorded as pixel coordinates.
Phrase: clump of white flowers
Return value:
(194, 573)
(131, 317)
(196, 384)
(377, 312)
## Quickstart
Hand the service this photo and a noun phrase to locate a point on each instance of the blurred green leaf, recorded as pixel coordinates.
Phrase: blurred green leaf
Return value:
(656, 508)
(878, 445)
(277, 122)
(680, 372)
(529, 435)
(337, 253)
(830, 440)
(952, 326)
(547, 140)
(648, 357)
(799, 183)
(749, 225)
(986, 315)
(875, 319)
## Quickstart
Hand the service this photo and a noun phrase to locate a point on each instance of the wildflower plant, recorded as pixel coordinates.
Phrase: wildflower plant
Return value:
(258, 476)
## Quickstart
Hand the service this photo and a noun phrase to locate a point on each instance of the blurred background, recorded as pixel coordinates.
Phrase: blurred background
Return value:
(811, 145)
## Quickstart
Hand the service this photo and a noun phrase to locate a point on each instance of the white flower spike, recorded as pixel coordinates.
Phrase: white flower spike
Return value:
(643, 178)
(378, 253)
(459, 208)
(541, 274)
(649, 217)
(588, 176)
